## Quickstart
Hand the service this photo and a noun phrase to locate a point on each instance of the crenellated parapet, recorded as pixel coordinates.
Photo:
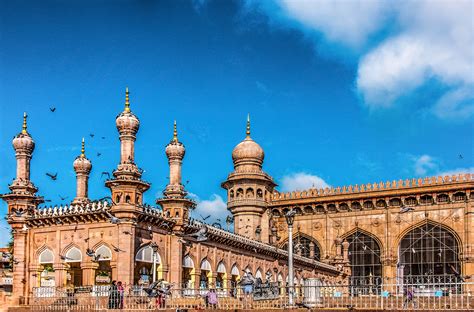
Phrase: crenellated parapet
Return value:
(400, 185)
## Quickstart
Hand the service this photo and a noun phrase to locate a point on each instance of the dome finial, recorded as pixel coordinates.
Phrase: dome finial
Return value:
(248, 126)
(175, 132)
(24, 123)
(83, 150)
(127, 100)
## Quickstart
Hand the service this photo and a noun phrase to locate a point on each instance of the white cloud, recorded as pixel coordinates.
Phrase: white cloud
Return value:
(349, 22)
(424, 164)
(215, 207)
(302, 181)
(416, 43)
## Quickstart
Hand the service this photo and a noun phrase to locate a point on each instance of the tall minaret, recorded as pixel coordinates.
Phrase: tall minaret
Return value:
(82, 167)
(127, 189)
(175, 204)
(22, 198)
(249, 190)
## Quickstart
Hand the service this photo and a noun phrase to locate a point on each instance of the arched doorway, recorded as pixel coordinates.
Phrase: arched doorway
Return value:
(305, 247)
(206, 274)
(235, 277)
(429, 254)
(103, 274)
(148, 261)
(188, 272)
(73, 258)
(364, 258)
(46, 276)
(221, 276)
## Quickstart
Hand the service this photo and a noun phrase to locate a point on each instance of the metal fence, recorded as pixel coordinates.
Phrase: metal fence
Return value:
(431, 295)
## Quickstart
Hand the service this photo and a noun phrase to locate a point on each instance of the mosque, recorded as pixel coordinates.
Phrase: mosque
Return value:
(362, 233)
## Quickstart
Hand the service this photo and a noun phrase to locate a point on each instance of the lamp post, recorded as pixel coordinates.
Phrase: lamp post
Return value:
(154, 247)
(290, 218)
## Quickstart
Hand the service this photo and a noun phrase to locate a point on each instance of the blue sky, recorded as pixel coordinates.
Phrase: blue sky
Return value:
(339, 92)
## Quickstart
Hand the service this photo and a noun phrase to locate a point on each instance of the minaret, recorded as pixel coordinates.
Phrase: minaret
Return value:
(127, 189)
(82, 167)
(249, 190)
(22, 198)
(175, 204)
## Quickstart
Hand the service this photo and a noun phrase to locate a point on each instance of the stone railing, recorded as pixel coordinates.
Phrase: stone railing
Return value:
(71, 209)
(370, 187)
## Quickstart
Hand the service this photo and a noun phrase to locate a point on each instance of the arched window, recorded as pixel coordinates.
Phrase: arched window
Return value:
(298, 211)
(231, 193)
(320, 209)
(364, 258)
(104, 253)
(381, 203)
(429, 250)
(240, 193)
(331, 208)
(46, 256)
(249, 193)
(127, 199)
(356, 206)
(308, 210)
(188, 262)
(442, 198)
(235, 270)
(395, 202)
(276, 212)
(145, 254)
(221, 268)
(426, 199)
(205, 265)
(259, 193)
(73, 255)
(368, 204)
(410, 201)
(343, 207)
(459, 196)
(305, 247)
(258, 274)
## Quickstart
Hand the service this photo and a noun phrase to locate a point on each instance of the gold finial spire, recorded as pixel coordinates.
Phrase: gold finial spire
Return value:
(83, 150)
(175, 132)
(248, 126)
(24, 123)
(127, 100)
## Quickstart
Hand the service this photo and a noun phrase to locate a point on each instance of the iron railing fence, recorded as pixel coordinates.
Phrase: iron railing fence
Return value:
(433, 295)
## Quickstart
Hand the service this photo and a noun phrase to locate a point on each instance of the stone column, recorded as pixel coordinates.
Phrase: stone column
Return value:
(175, 260)
(20, 291)
(126, 262)
(196, 276)
(113, 266)
(311, 250)
(60, 270)
(88, 273)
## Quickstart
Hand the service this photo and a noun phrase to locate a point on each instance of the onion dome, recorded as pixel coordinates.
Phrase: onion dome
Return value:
(175, 149)
(248, 151)
(23, 141)
(126, 121)
(82, 164)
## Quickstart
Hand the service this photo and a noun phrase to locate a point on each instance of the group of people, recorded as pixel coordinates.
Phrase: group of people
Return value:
(116, 294)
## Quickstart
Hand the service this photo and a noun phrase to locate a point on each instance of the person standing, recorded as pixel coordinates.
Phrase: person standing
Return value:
(120, 291)
(212, 298)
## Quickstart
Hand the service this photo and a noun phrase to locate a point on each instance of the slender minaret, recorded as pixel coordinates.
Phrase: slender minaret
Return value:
(249, 189)
(82, 167)
(175, 204)
(22, 198)
(127, 187)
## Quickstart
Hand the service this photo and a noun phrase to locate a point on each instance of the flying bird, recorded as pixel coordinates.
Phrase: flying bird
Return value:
(64, 258)
(201, 234)
(406, 209)
(204, 218)
(90, 252)
(98, 154)
(92, 135)
(53, 177)
(103, 138)
(185, 242)
(63, 198)
(52, 109)
(116, 249)
(106, 174)
(217, 225)
(460, 156)
(112, 219)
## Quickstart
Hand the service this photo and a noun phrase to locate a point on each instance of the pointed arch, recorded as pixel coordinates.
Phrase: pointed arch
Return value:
(221, 267)
(235, 270)
(305, 241)
(104, 253)
(258, 274)
(188, 262)
(205, 265)
(372, 235)
(145, 254)
(45, 256)
(73, 254)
